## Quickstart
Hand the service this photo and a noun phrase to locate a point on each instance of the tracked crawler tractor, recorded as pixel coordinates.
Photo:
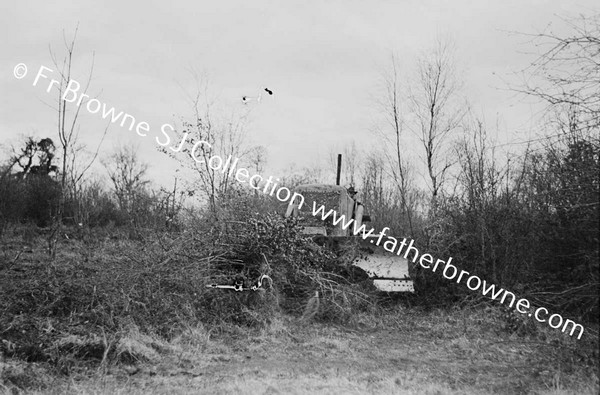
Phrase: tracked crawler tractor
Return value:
(389, 271)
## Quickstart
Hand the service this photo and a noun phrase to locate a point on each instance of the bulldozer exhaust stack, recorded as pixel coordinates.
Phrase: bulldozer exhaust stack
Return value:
(339, 170)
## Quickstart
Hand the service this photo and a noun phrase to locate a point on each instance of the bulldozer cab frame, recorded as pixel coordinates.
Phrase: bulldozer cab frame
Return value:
(390, 272)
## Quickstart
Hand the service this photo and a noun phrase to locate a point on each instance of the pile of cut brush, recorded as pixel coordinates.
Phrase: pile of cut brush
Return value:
(299, 269)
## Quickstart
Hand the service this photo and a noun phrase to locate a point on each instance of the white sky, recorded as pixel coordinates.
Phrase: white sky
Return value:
(322, 59)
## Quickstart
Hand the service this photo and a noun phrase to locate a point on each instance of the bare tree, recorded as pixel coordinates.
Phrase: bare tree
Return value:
(171, 203)
(433, 101)
(258, 159)
(42, 149)
(128, 176)
(480, 184)
(208, 136)
(68, 128)
(376, 192)
(567, 73)
(392, 108)
(226, 141)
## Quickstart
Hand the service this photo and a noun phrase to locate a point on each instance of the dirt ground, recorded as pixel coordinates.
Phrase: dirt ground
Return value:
(433, 353)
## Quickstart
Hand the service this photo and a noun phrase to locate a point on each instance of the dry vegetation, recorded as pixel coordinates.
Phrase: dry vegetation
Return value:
(121, 314)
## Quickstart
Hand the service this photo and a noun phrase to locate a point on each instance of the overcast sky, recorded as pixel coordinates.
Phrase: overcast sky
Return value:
(322, 59)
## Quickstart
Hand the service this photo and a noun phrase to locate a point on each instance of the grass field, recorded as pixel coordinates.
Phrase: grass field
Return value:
(397, 350)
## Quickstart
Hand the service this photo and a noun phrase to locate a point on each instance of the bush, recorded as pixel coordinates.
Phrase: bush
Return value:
(34, 198)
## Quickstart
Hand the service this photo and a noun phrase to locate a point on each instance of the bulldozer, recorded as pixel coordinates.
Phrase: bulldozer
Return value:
(389, 272)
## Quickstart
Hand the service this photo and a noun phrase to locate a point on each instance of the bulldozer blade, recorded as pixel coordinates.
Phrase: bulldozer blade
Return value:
(389, 271)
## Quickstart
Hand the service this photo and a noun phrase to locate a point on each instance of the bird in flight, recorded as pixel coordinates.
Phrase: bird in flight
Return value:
(246, 99)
